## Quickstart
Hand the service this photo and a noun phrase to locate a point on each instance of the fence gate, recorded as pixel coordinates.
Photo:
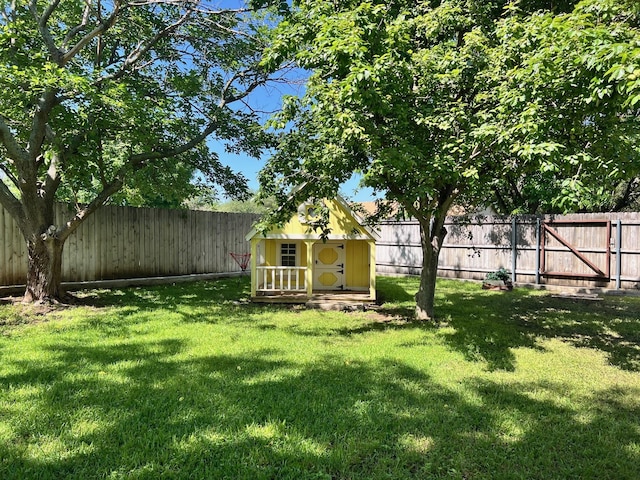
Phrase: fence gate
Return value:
(576, 249)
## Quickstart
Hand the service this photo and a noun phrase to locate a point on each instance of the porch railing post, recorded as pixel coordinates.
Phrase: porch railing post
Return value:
(308, 277)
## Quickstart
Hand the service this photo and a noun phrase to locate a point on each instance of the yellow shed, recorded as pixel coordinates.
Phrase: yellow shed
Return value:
(293, 264)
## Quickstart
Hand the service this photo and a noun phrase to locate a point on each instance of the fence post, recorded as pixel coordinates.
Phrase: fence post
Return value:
(618, 254)
(514, 248)
(538, 251)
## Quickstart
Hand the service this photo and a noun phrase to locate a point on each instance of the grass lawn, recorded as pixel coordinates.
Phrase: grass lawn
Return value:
(185, 382)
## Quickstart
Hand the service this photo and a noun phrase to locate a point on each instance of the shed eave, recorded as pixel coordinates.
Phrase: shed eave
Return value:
(288, 236)
(367, 233)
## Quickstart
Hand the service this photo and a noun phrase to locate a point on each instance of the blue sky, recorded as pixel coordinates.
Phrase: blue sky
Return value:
(269, 99)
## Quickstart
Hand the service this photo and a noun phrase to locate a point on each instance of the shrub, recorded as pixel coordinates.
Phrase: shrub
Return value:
(500, 274)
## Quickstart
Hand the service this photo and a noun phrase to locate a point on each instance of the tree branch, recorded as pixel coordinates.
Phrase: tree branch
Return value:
(140, 159)
(40, 121)
(14, 150)
(9, 201)
(142, 49)
(81, 26)
(9, 174)
(224, 100)
(134, 161)
(71, 225)
(99, 30)
(52, 180)
(118, 180)
(54, 51)
(232, 31)
(48, 12)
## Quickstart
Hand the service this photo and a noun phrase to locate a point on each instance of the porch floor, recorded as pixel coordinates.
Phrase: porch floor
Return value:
(321, 300)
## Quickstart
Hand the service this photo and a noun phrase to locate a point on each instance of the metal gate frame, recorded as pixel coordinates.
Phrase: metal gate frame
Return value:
(547, 227)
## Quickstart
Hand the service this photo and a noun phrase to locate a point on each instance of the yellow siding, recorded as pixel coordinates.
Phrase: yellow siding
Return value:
(303, 254)
(272, 247)
(357, 264)
(270, 256)
(341, 222)
(359, 255)
(292, 227)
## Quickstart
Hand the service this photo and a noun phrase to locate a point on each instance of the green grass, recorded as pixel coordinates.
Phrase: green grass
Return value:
(185, 382)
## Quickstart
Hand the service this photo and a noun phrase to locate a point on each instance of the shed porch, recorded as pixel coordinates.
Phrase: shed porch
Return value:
(321, 300)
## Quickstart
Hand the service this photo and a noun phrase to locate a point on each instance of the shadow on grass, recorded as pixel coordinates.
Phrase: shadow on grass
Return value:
(169, 296)
(490, 324)
(487, 325)
(484, 325)
(253, 416)
(396, 289)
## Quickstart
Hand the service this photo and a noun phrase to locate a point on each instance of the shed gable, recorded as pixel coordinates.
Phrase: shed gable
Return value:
(343, 223)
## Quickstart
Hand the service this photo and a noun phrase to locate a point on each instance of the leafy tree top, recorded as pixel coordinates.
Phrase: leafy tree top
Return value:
(444, 98)
(97, 91)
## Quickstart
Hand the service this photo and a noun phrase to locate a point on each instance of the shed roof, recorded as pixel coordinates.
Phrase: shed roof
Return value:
(344, 223)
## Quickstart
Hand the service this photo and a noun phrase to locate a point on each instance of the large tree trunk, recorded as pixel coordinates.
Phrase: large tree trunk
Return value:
(425, 298)
(432, 233)
(44, 274)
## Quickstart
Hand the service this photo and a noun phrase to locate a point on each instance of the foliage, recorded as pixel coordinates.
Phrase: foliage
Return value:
(573, 93)
(115, 100)
(450, 101)
(213, 204)
(124, 80)
(500, 274)
(252, 205)
(184, 382)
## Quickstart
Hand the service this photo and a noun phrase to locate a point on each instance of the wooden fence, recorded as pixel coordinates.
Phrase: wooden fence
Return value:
(593, 250)
(586, 250)
(125, 242)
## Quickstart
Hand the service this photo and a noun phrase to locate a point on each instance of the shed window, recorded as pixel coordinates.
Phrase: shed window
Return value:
(288, 254)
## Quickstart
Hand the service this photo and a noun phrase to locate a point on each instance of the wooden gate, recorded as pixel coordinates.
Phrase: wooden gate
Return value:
(581, 251)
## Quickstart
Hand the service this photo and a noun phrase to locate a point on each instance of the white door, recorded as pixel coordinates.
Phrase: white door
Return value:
(328, 266)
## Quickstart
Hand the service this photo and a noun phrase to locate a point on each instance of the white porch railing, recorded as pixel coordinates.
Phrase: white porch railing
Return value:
(281, 278)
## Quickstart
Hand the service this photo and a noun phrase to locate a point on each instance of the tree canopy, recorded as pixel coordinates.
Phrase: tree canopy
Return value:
(437, 102)
(99, 96)
(579, 101)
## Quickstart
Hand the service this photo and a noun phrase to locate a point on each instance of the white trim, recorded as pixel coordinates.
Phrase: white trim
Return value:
(279, 252)
(286, 279)
(315, 238)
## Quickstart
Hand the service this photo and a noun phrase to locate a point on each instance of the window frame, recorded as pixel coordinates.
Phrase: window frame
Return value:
(289, 254)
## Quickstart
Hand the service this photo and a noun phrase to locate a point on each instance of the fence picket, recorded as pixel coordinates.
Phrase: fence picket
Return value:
(124, 242)
(473, 249)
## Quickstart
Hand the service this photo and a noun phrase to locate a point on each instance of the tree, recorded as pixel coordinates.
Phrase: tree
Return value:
(96, 96)
(434, 102)
(583, 67)
(250, 205)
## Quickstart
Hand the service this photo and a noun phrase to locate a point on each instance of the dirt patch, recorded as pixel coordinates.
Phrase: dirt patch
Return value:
(16, 313)
(18, 316)
(391, 317)
(383, 317)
